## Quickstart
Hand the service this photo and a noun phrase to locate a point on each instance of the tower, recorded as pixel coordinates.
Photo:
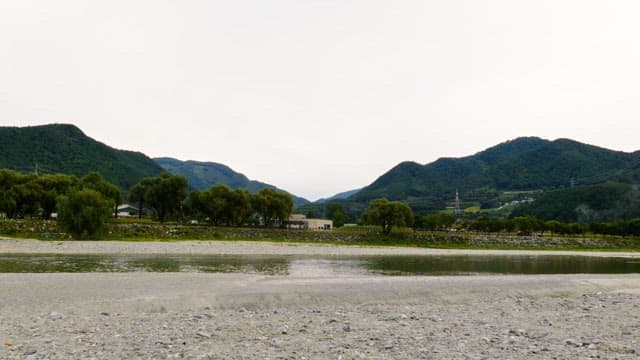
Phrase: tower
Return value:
(457, 210)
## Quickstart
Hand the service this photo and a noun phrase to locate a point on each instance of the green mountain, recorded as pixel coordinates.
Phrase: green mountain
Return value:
(521, 168)
(62, 148)
(586, 204)
(203, 175)
(339, 196)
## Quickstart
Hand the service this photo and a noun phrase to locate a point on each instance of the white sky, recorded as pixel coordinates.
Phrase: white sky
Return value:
(319, 97)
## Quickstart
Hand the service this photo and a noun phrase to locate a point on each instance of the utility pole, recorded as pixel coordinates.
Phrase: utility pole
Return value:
(457, 210)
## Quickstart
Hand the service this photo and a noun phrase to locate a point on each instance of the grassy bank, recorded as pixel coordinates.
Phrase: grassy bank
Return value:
(369, 236)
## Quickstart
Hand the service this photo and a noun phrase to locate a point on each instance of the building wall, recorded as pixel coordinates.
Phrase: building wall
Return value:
(319, 224)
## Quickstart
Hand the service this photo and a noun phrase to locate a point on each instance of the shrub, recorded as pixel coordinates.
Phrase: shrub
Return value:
(83, 213)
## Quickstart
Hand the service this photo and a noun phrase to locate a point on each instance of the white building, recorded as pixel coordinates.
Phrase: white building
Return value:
(300, 221)
(127, 211)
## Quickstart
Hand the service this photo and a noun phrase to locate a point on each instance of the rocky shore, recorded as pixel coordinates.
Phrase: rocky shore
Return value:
(204, 247)
(310, 316)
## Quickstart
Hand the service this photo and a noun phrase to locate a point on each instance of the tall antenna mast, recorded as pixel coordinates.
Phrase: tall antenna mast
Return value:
(457, 210)
(36, 168)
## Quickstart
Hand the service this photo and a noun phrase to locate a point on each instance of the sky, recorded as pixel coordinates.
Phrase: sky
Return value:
(318, 97)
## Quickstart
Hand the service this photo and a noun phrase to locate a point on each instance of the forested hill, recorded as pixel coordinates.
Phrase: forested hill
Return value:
(62, 148)
(523, 164)
(203, 175)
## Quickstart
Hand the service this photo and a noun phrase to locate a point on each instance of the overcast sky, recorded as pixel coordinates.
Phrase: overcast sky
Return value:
(319, 97)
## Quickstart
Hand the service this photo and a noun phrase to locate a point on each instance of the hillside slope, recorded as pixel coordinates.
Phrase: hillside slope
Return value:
(63, 148)
(523, 164)
(203, 175)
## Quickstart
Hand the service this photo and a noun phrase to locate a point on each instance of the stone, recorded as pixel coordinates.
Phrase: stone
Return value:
(203, 335)
(55, 316)
(572, 342)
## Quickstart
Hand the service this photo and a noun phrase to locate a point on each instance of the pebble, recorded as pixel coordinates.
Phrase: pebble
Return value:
(55, 316)
(572, 342)
(203, 335)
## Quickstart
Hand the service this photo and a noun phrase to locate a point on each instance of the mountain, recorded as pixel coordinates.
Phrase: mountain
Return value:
(507, 171)
(203, 175)
(339, 196)
(586, 204)
(63, 148)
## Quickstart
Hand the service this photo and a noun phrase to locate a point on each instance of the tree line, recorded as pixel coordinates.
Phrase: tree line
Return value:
(525, 225)
(83, 205)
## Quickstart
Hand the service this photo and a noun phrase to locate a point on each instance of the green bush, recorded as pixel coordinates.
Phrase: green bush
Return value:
(83, 213)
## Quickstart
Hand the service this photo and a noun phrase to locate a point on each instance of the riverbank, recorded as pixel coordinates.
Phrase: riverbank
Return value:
(310, 314)
(357, 236)
(205, 247)
(239, 316)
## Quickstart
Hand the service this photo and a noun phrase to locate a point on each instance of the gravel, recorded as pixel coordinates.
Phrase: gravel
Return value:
(27, 246)
(313, 315)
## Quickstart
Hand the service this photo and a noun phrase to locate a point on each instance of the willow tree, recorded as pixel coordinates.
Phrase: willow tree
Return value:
(388, 214)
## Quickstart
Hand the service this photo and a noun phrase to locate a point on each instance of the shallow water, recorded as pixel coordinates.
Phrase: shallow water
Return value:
(318, 266)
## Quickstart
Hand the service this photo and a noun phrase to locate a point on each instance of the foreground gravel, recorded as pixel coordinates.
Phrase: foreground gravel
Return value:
(317, 316)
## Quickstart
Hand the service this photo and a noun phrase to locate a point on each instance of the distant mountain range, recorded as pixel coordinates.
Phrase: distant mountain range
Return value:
(63, 148)
(568, 180)
(340, 196)
(521, 168)
(203, 175)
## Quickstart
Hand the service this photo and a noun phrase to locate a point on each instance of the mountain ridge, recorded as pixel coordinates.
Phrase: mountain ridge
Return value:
(204, 174)
(65, 148)
(521, 164)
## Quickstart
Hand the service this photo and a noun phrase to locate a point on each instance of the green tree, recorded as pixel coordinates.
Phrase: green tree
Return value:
(239, 207)
(432, 222)
(139, 194)
(388, 214)
(51, 187)
(165, 194)
(272, 206)
(335, 212)
(525, 225)
(96, 182)
(215, 204)
(83, 212)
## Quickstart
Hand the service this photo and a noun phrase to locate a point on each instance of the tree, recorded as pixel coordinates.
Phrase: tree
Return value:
(432, 222)
(388, 214)
(335, 212)
(51, 187)
(525, 225)
(96, 182)
(272, 206)
(215, 204)
(165, 194)
(83, 212)
(239, 207)
(139, 194)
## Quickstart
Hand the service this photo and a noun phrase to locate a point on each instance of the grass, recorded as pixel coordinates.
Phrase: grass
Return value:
(143, 231)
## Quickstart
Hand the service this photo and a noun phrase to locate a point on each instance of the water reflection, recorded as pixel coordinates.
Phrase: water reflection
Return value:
(501, 264)
(315, 266)
(135, 263)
